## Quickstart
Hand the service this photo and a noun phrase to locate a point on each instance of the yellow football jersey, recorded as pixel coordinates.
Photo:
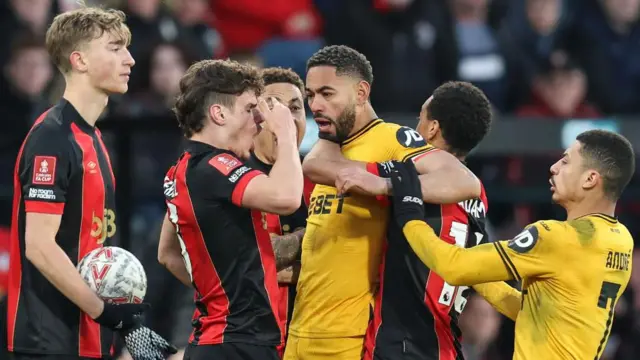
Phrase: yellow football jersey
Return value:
(342, 244)
(572, 273)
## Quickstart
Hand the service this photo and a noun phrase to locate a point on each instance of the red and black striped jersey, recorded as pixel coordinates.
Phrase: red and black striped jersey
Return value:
(226, 249)
(63, 168)
(416, 311)
(282, 225)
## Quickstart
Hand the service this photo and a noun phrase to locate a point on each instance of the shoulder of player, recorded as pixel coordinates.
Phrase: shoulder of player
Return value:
(399, 136)
(220, 163)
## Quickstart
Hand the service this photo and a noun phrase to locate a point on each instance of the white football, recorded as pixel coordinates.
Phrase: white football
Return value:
(115, 274)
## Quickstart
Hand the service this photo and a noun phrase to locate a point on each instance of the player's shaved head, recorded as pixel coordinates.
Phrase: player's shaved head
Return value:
(612, 156)
(345, 60)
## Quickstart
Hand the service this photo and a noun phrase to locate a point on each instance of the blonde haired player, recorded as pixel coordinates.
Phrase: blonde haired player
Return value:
(342, 245)
(573, 272)
(64, 204)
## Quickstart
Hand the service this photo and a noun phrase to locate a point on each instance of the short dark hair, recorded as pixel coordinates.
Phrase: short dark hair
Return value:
(346, 60)
(212, 82)
(274, 75)
(612, 156)
(464, 114)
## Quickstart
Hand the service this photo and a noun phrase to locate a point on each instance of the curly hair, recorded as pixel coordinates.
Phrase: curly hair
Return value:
(210, 82)
(464, 114)
(346, 60)
(612, 156)
(274, 75)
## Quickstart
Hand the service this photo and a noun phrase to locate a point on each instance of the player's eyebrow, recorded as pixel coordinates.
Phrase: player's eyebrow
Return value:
(320, 89)
(295, 100)
(250, 106)
(118, 42)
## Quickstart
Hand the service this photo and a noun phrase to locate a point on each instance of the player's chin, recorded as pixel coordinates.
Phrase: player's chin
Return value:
(327, 135)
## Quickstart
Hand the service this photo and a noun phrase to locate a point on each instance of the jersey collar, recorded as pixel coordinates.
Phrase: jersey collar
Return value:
(362, 131)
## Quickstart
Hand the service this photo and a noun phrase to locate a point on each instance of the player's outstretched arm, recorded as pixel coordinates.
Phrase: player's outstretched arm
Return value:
(505, 299)
(325, 160)
(48, 257)
(170, 252)
(286, 248)
(457, 266)
(281, 191)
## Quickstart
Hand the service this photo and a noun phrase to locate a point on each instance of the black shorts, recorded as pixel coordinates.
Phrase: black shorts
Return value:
(23, 356)
(231, 351)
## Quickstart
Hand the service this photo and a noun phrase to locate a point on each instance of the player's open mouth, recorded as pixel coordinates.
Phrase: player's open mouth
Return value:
(553, 186)
(323, 124)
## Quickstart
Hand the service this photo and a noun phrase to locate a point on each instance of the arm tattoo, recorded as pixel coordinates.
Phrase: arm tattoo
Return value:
(286, 248)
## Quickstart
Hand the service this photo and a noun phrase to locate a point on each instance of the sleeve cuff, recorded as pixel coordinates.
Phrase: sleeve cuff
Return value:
(241, 186)
(373, 168)
(44, 207)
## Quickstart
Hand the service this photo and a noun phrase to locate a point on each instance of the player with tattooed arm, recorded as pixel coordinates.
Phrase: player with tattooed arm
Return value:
(286, 232)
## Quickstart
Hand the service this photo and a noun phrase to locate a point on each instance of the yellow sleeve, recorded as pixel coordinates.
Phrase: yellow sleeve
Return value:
(531, 253)
(520, 257)
(404, 142)
(502, 297)
(456, 265)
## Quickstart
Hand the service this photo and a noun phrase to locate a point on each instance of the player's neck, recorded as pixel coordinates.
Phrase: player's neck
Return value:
(88, 101)
(587, 206)
(262, 156)
(364, 118)
(217, 137)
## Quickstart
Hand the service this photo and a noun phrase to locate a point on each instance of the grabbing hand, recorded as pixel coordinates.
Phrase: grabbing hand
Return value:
(361, 181)
(278, 120)
(407, 193)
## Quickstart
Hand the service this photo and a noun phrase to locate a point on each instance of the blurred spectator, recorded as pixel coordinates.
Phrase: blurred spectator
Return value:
(480, 324)
(195, 16)
(151, 22)
(247, 57)
(484, 58)
(160, 74)
(559, 90)
(410, 45)
(283, 32)
(22, 84)
(19, 16)
(609, 33)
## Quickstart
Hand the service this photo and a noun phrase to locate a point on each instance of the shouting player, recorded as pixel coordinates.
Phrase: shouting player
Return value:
(213, 236)
(573, 271)
(64, 203)
(343, 240)
(416, 312)
(287, 231)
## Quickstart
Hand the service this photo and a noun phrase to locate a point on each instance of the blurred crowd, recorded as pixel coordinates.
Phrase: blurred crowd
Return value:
(533, 58)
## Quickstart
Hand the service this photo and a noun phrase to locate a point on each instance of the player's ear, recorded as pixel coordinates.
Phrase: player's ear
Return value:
(78, 61)
(362, 92)
(591, 179)
(216, 113)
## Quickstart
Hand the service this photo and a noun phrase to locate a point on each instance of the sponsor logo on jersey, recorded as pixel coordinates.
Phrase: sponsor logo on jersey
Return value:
(225, 163)
(238, 173)
(44, 170)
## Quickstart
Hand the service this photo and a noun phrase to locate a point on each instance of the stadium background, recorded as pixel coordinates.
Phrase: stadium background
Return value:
(552, 68)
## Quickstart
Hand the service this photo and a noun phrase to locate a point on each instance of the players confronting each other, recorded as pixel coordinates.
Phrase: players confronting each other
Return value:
(573, 272)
